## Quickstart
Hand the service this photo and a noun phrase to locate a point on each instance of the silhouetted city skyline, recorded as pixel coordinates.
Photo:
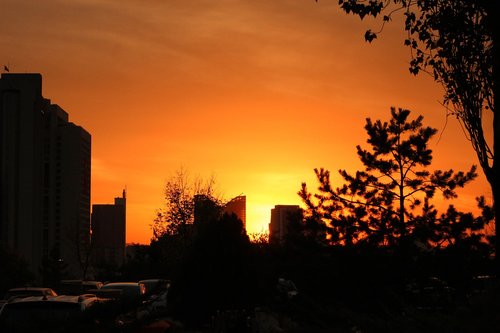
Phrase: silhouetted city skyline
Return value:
(276, 166)
(256, 93)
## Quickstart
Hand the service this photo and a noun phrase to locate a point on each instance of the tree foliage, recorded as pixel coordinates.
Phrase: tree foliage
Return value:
(452, 41)
(453, 228)
(387, 201)
(178, 211)
(217, 273)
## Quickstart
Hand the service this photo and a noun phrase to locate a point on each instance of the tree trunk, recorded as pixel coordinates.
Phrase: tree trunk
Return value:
(496, 140)
(493, 10)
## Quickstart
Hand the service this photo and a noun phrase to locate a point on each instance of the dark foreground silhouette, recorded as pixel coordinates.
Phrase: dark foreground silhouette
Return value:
(225, 283)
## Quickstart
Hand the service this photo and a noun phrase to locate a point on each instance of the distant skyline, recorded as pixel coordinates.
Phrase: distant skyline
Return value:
(257, 93)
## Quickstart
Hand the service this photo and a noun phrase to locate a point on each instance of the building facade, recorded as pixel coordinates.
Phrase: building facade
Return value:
(44, 179)
(109, 233)
(281, 217)
(238, 206)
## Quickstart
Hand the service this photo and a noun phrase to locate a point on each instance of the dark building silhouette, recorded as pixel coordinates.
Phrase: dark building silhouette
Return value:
(238, 206)
(108, 232)
(281, 216)
(205, 209)
(44, 178)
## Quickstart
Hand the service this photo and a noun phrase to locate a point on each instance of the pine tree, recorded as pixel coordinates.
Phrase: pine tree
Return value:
(382, 203)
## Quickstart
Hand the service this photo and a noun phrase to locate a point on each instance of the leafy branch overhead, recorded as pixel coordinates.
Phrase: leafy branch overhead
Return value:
(453, 42)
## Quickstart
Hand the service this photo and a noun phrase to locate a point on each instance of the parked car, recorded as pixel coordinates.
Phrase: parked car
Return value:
(156, 295)
(78, 287)
(28, 291)
(48, 314)
(155, 286)
(25, 292)
(483, 283)
(431, 293)
(129, 294)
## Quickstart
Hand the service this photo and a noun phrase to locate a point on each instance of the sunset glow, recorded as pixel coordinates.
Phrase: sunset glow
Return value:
(257, 93)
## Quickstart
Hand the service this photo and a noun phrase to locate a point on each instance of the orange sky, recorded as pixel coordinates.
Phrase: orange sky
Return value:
(258, 93)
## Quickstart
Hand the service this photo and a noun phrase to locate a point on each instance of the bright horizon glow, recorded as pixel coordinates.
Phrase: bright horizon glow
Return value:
(257, 93)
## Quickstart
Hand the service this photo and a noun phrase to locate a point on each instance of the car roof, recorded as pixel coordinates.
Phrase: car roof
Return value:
(120, 284)
(54, 299)
(29, 288)
(154, 280)
(80, 282)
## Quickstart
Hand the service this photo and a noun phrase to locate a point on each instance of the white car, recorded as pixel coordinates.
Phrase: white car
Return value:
(47, 314)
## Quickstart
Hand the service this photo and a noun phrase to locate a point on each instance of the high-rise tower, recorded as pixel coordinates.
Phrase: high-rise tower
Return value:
(44, 179)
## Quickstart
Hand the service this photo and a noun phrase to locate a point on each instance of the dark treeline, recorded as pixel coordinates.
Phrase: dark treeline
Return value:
(217, 268)
(369, 287)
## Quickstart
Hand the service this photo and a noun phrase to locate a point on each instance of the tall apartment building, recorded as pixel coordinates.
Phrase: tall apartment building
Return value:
(281, 216)
(108, 233)
(44, 179)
